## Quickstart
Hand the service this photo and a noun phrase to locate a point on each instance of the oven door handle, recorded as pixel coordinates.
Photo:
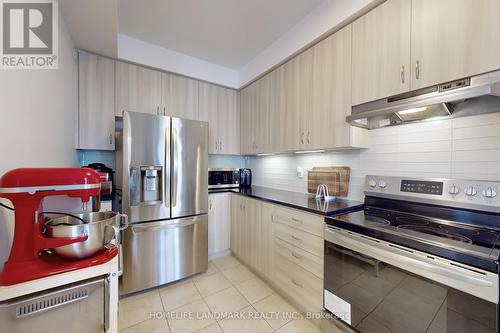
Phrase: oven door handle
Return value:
(403, 256)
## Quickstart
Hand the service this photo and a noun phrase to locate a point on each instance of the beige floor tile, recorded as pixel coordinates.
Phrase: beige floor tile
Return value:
(254, 290)
(149, 326)
(299, 326)
(177, 295)
(276, 310)
(238, 274)
(226, 300)
(190, 318)
(249, 322)
(211, 284)
(225, 262)
(138, 308)
(214, 328)
(212, 269)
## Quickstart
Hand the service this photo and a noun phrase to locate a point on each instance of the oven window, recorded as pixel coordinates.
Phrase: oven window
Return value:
(382, 298)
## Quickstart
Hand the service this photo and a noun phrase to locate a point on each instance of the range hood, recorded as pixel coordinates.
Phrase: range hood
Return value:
(465, 97)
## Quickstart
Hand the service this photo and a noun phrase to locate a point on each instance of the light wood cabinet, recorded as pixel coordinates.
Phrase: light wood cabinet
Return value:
(179, 96)
(331, 99)
(220, 108)
(250, 116)
(219, 222)
(276, 107)
(96, 102)
(138, 89)
(298, 101)
(381, 51)
(452, 39)
(284, 246)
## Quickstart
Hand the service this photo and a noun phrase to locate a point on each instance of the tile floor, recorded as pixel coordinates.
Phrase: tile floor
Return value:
(227, 298)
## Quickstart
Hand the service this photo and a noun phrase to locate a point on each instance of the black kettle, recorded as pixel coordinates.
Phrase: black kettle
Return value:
(245, 178)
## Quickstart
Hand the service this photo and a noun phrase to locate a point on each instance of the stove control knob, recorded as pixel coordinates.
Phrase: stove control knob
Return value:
(470, 191)
(372, 183)
(382, 184)
(489, 193)
(454, 190)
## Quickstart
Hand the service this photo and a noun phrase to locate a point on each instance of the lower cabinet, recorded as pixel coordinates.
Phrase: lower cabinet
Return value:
(219, 222)
(285, 246)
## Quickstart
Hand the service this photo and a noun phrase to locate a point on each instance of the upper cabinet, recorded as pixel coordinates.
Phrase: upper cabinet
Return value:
(220, 108)
(96, 102)
(452, 39)
(298, 101)
(331, 96)
(179, 96)
(138, 89)
(405, 45)
(381, 52)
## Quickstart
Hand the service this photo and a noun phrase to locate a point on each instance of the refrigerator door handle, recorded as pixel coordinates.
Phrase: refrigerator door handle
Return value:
(174, 164)
(153, 226)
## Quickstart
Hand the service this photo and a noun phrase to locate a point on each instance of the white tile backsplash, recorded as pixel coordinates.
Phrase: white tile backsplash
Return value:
(466, 147)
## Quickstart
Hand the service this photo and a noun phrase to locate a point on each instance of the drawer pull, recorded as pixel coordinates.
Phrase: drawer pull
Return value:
(297, 238)
(295, 255)
(296, 220)
(296, 283)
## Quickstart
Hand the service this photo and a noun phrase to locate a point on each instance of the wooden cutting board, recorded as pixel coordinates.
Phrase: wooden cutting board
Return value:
(336, 178)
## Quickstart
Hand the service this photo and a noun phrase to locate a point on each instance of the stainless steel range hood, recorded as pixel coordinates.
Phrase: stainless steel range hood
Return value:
(470, 96)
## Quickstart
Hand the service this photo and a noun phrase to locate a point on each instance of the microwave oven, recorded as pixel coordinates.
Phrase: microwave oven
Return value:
(219, 178)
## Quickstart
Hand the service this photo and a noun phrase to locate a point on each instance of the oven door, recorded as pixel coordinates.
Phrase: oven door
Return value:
(223, 178)
(375, 286)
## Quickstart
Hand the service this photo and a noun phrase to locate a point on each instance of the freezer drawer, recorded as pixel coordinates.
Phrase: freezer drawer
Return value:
(156, 253)
(78, 307)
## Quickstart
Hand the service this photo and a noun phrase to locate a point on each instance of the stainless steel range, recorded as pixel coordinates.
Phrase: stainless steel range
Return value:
(422, 256)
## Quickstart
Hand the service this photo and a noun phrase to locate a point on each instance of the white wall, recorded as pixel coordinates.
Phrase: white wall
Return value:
(467, 148)
(322, 20)
(148, 54)
(37, 120)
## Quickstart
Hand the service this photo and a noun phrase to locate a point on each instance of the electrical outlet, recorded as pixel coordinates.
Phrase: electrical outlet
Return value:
(300, 172)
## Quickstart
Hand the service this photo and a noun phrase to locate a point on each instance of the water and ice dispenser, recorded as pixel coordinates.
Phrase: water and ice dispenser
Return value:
(147, 185)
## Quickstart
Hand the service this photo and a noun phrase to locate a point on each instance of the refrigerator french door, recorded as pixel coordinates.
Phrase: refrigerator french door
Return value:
(162, 163)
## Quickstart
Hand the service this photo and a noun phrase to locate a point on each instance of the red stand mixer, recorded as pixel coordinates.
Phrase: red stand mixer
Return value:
(26, 188)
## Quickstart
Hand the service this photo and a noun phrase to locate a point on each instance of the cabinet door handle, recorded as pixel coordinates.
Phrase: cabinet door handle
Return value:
(295, 255)
(403, 74)
(164, 111)
(297, 238)
(296, 283)
(157, 110)
(110, 138)
(210, 204)
(417, 70)
(296, 220)
(308, 135)
(302, 138)
(220, 145)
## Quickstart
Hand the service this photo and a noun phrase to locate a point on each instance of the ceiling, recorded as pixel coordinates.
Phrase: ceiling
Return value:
(224, 32)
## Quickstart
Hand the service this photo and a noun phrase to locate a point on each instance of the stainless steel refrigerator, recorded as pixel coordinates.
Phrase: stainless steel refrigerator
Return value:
(161, 164)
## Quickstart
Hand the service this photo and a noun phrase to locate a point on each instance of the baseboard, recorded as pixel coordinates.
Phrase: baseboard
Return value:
(219, 254)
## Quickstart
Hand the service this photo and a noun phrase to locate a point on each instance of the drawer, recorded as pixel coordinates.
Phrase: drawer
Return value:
(300, 285)
(295, 218)
(304, 259)
(300, 239)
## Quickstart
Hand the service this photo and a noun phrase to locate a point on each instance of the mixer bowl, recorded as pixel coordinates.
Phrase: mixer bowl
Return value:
(100, 227)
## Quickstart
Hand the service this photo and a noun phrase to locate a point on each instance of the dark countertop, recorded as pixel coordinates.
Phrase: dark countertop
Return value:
(301, 201)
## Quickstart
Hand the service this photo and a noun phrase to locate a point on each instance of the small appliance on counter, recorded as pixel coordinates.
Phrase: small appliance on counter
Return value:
(420, 248)
(39, 287)
(223, 178)
(107, 188)
(245, 178)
